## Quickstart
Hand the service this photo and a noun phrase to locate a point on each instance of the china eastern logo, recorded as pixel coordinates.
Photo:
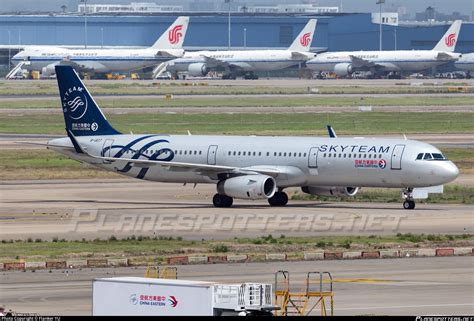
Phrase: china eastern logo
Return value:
(75, 102)
(154, 300)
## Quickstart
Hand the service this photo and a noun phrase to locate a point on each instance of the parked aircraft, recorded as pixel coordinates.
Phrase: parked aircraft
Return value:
(45, 58)
(244, 62)
(345, 63)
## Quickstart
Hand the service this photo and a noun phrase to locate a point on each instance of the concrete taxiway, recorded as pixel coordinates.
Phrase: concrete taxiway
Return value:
(415, 286)
(76, 209)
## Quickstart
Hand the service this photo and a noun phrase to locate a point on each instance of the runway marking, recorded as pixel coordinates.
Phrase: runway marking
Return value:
(360, 281)
(409, 306)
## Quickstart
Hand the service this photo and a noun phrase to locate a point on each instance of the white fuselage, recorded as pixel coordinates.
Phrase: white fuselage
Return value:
(302, 161)
(246, 60)
(466, 62)
(396, 60)
(98, 60)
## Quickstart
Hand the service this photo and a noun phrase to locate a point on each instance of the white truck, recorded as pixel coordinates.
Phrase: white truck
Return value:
(132, 296)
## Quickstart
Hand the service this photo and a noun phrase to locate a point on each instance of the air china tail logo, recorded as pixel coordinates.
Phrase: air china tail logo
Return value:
(305, 39)
(153, 300)
(175, 34)
(450, 40)
(75, 102)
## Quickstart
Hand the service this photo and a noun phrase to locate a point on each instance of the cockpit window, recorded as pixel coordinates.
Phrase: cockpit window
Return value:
(431, 156)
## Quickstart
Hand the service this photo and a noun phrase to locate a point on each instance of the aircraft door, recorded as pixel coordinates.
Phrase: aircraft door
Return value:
(107, 149)
(313, 157)
(397, 156)
(211, 155)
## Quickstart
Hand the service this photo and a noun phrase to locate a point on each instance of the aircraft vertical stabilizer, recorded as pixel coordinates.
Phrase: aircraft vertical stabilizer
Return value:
(305, 37)
(450, 38)
(173, 37)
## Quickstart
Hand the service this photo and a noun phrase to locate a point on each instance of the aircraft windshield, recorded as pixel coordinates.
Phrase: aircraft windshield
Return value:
(430, 156)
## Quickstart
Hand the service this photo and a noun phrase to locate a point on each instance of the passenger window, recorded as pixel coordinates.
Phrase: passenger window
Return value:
(279, 154)
(344, 155)
(427, 156)
(304, 155)
(340, 155)
(195, 152)
(420, 156)
(239, 153)
(284, 154)
(370, 155)
(254, 153)
(275, 153)
(234, 153)
(268, 153)
(259, 153)
(299, 154)
(243, 153)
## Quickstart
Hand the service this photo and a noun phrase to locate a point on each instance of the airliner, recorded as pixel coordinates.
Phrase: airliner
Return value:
(345, 63)
(45, 58)
(244, 62)
(466, 63)
(246, 167)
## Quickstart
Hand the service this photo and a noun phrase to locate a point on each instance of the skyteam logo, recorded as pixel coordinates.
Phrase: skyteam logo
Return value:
(382, 163)
(450, 40)
(175, 34)
(75, 102)
(305, 39)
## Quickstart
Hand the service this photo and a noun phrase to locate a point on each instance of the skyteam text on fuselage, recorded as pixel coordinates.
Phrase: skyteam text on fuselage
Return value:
(246, 167)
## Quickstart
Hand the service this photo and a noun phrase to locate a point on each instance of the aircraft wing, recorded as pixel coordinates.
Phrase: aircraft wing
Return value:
(82, 66)
(213, 62)
(443, 56)
(361, 63)
(296, 55)
(211, 170)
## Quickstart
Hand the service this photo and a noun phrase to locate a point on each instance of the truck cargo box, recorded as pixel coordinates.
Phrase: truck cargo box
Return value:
(147, 296)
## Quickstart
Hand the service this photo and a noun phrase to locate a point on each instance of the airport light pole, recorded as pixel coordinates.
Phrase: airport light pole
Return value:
(380, 2)
(102, 38)
(245, 38)
(85, 23)
(9, 49)
(228, 25)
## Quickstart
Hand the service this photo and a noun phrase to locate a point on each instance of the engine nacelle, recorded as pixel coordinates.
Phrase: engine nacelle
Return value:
(48, 70)
(330, 191)
(343, 69)
(198, 69)
(248, 187)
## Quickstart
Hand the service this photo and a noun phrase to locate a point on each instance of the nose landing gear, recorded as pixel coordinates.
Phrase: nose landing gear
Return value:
(409, 202)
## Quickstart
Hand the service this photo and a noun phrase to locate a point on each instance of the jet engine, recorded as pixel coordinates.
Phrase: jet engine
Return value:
(248, 187)
(198, 69)
(48, 70)
(330, 191)
(343, 69)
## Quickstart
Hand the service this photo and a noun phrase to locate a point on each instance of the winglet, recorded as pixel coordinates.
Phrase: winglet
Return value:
(450, 38)
(305, 37)
(173, 37)
(74, 142)
(331, 132)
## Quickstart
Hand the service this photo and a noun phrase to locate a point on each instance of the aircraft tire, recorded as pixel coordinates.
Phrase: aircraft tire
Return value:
(220, 200)
(278, 199)
(409, 205)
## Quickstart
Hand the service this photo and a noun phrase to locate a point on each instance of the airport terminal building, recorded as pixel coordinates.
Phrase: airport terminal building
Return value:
(209, 30)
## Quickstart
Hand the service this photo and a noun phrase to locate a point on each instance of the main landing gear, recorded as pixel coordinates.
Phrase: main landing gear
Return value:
(220, 200)
(278, 199)
(409, 202)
